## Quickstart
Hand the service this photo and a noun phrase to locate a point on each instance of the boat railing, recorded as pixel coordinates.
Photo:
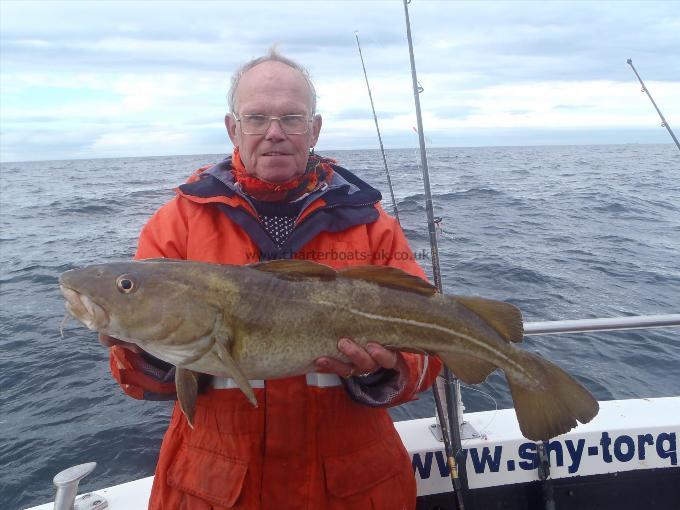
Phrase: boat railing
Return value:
(601, 324)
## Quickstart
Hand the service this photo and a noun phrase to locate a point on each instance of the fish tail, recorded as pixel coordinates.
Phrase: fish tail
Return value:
(553, 406)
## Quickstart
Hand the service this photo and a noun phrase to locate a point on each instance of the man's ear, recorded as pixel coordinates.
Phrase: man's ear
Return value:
(230, 124)
(316, 129)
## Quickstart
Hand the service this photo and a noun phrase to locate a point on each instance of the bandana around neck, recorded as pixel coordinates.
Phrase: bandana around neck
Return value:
(318, 171)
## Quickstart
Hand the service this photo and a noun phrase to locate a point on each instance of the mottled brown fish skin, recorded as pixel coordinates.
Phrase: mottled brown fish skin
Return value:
(272, 320)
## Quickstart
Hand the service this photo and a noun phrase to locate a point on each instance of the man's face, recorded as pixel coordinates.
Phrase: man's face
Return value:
(273, 88)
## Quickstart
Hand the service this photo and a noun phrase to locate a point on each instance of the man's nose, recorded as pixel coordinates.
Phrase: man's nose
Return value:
(274, 131)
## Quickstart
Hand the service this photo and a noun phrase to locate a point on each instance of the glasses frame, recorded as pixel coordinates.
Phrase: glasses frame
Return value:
(272, 118)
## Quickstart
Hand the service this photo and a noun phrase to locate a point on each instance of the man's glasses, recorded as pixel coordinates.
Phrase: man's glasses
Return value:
(257, 124)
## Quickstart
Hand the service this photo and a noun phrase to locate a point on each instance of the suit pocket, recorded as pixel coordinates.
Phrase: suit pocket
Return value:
(362, 477)
(208, 476)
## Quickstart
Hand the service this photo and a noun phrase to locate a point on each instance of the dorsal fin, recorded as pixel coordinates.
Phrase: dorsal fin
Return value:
(505, 318)
(382, 275)
(389, 277)
(291, 269)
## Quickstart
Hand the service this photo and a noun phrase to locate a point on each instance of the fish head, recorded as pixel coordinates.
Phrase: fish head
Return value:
(148, 303)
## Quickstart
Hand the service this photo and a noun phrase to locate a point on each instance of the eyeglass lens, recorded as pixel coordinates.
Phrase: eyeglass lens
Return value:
(259, 124)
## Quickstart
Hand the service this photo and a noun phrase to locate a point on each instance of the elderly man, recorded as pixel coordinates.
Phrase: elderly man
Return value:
(320, 441)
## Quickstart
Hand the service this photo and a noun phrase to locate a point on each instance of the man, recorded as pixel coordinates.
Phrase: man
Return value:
(324, 440)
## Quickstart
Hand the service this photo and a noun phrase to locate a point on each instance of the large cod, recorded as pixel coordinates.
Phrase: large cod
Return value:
(273, 319)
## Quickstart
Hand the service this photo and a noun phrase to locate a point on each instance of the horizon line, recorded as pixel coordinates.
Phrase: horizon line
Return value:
(431, 146)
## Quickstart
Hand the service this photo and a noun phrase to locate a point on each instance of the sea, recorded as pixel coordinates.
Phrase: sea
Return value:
(563, 232)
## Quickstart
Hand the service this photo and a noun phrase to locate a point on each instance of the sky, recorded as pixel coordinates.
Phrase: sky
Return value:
(86, 79)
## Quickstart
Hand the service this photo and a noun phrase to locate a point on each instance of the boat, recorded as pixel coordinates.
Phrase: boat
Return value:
(625, 458)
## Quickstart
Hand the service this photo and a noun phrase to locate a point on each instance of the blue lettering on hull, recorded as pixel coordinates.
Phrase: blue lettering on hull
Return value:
(622, 448)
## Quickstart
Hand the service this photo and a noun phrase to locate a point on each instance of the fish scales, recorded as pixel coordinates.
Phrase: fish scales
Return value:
(268, 328)
(273, 319)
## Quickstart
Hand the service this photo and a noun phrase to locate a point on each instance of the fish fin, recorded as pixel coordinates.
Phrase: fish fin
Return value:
(553, 407)
(292, 269)
(505, 318)
(389, 277)
(468, 369)
(186, 384)
(235, 372)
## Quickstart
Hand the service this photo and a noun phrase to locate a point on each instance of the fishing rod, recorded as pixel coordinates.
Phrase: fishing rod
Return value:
(452, 419)
(645, 90)
(377, 128)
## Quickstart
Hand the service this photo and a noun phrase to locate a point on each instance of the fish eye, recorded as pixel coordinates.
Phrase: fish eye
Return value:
(126, 284)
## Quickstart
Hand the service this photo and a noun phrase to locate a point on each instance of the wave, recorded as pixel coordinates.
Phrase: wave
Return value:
(88, 209)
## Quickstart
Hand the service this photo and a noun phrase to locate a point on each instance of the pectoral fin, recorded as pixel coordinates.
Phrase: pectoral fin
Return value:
(235, 371)
(186, 383)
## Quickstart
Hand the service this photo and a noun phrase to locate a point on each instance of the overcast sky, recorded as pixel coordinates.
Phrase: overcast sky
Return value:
(88, 79)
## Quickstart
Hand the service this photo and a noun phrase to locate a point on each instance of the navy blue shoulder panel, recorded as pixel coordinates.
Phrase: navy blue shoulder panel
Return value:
(366, 193)
(208, 185)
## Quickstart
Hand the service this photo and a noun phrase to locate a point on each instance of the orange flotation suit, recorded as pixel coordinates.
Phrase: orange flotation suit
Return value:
(311, 445)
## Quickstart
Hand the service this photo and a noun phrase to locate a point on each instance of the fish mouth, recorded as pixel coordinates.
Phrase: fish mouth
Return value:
(84, 309)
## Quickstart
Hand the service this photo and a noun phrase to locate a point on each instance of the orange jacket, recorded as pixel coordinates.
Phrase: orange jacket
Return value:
(311, 445)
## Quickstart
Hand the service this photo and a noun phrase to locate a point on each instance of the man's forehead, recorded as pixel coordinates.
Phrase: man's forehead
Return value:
(276, 76)
(272, 67)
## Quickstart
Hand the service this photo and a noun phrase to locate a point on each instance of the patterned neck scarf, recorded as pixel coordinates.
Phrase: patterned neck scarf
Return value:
(319, 171)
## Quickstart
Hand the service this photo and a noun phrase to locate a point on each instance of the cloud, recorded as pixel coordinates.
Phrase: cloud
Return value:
(110, 73)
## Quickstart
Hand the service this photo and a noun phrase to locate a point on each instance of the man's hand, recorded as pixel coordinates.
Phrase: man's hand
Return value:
(109, 341)
(363, 361)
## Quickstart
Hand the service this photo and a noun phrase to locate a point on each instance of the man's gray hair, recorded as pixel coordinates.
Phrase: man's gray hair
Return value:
(272, 56)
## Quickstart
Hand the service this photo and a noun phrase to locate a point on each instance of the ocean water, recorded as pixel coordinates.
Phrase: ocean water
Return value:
(563, 232)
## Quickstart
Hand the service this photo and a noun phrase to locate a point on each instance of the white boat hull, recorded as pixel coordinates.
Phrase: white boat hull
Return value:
(626, 436)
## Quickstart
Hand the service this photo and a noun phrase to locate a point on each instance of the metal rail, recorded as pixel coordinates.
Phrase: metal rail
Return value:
(645, 90)
(604, 324)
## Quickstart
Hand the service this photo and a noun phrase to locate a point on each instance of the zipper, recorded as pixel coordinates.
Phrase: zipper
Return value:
(325, 207)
